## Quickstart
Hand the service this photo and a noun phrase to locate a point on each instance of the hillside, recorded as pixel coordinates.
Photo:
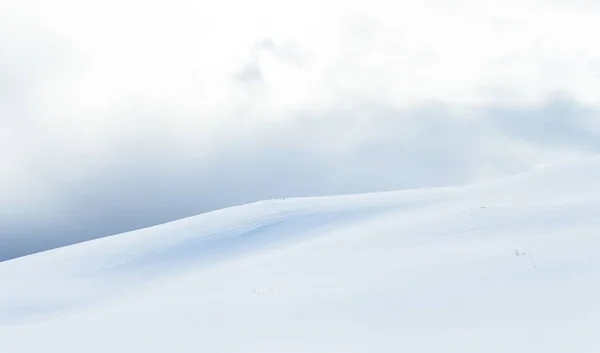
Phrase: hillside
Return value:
(510, 265)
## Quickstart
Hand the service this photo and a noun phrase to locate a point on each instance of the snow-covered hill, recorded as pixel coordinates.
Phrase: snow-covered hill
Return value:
(506, 266)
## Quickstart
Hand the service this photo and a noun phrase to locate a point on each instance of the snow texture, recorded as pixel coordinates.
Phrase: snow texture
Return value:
(511, 265)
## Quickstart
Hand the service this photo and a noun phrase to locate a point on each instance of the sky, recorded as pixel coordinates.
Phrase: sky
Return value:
(117, 115)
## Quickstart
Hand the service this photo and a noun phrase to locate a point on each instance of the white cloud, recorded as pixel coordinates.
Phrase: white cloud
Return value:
(120, 114)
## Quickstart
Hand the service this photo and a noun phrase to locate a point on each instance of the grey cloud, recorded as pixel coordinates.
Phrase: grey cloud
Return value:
(152, 183)
(561, 122)
(250, 73)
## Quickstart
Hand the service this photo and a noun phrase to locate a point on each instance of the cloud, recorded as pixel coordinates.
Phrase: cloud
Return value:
(120, 115)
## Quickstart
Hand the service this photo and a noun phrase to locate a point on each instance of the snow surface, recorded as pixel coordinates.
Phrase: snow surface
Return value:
(511, 265)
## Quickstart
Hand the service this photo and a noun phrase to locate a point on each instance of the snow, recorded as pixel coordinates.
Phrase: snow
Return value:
(510, 265)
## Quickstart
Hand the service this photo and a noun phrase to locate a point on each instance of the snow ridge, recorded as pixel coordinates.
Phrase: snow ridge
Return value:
(507, 265)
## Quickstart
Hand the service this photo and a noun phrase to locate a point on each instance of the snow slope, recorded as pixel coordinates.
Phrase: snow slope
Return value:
(506, 266)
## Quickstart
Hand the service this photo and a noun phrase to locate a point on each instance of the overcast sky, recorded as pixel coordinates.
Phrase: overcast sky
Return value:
(115, 115)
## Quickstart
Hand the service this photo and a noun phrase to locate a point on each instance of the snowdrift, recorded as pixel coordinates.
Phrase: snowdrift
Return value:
(511, 265)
